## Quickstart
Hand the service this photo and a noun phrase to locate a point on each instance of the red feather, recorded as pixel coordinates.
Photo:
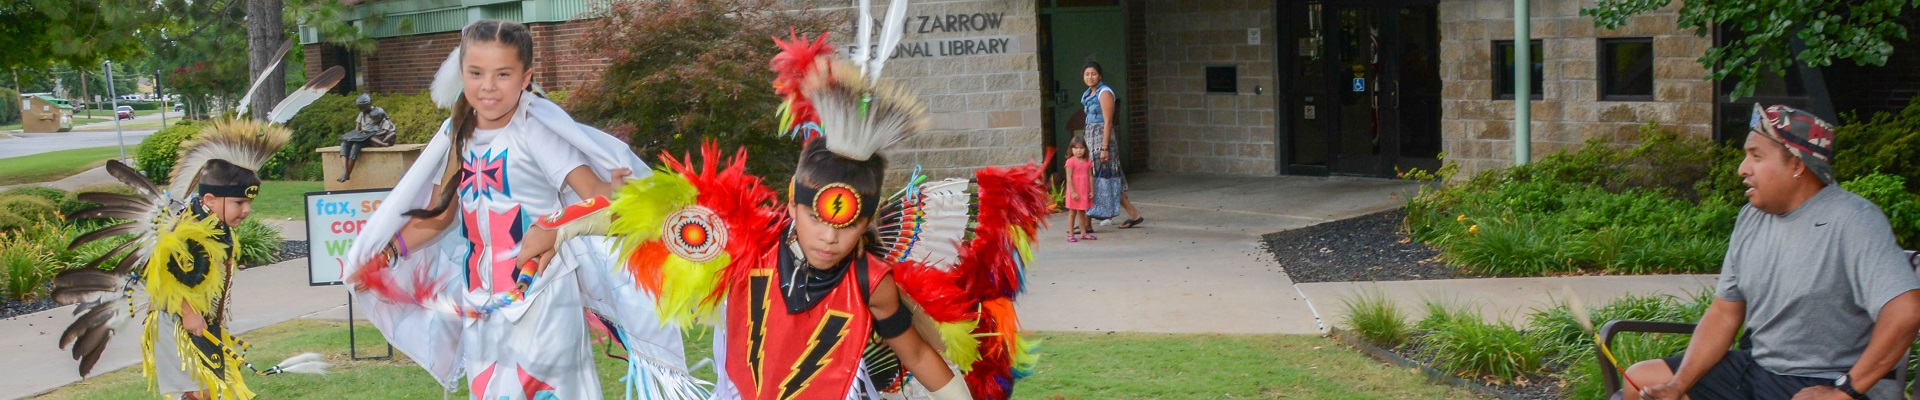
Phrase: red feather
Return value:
(378, 277)
(740, 199)
(797, 59)
(938, 292)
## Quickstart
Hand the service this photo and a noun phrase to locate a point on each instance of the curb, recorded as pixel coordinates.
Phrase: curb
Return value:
(1432, 374)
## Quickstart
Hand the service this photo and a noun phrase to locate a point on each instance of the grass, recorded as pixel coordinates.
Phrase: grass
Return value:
(284, 199)
(1073, 366)
(52, 166)
(1376, 319)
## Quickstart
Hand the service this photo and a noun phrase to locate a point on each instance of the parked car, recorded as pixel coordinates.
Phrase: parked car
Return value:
(123, 112)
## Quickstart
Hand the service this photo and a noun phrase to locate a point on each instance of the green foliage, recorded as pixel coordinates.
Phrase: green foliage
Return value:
(53, 195)
(258, 243)
(1760, 32)
(1572, 346)
(1901, 206)
(1887, 143)
(1661, 206)
(158, 152)
(33, 208)
(23, 265)
(11, 221)
(9, 106)
(73, 204)
(1376, 319)
(1460, 343)
(684, 71)
(320, 125)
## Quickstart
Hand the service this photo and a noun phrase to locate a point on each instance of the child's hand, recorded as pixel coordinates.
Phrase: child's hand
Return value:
(191, 321)
(537, 245)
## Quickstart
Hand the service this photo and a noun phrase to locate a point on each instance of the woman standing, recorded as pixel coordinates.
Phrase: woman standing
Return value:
(1109, 183)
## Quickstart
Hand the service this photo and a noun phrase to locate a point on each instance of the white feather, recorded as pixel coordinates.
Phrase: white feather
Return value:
(863, 43)
(946, 209)
(889, 36)
(446, 81)
(244, 143)
(262, 79)
(310, 367)
(302, 358)
(316, 87)
(860, 118)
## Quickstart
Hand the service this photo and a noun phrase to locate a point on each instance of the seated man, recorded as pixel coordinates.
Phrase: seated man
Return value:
(371, 129)
(1812, 270)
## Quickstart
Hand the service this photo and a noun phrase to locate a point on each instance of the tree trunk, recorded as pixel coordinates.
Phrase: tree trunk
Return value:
(265, 31)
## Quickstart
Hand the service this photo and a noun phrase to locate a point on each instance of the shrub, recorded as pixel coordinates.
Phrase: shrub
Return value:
(1887, 143)
(54, 195)
(1660, 206)
(11, 221)
(158, 152)
(684, 71)
(320, 124)
(33, 208)
(1573, 347)
(1901, 207)
(28, 257)
(1376, 319)
(73, 204)
(9, 106)
(258, 243)
(1462, 344)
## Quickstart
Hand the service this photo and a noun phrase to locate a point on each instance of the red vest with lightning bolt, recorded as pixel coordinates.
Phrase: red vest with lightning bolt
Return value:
(814, 354)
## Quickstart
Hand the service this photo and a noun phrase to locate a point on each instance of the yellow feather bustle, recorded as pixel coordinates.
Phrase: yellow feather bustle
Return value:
(680, 286)
(171, 247)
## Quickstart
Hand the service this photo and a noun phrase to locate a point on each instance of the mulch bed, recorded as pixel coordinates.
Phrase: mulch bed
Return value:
(1360, 249)
(290, 249)
(1372, 248)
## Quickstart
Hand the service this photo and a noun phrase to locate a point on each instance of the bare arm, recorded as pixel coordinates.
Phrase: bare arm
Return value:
(538, 244)
(191, 320)
(1893, 333)
(1711, 340)
(915, 354)
(1106, 114)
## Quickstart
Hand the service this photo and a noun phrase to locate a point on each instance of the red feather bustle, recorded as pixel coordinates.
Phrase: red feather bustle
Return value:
(937, 292)
(742, 200)
(797, 59)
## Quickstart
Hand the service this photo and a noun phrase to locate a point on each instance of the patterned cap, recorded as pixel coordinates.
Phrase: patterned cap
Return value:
(1807, 136)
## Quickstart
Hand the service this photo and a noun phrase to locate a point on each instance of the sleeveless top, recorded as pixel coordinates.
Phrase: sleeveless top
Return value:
(1090, 101)
(810, 354)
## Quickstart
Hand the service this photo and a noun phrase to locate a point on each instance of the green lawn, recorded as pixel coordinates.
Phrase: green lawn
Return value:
(284, 199)
(52, 166)
(1072, 366)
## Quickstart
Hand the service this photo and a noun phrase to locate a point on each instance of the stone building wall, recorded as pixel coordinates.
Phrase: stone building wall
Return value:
(1196, 131)
(1477, 128)
(974, 64)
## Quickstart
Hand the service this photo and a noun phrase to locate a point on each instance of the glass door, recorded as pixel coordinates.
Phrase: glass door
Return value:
(1358, 53)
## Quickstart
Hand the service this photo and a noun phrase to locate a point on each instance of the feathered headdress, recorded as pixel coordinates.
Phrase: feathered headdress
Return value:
(154, 218)
(844, 101)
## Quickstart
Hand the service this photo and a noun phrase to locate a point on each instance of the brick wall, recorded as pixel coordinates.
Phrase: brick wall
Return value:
(1138, 89)
(406, 64)
(1476, 129)
(1194, 131)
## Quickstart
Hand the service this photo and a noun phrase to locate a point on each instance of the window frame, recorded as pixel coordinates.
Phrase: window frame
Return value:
(1603, 70)
(1502, 71)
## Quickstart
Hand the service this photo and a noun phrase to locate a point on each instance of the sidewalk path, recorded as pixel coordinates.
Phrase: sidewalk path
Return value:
(262, 296)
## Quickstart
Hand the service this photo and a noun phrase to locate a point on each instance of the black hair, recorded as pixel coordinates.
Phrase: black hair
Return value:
(1096, 68)
(222, 173)
(819, 167)
(509, 33)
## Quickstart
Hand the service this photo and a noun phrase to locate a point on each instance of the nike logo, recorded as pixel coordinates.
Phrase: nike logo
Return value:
(1819, 224)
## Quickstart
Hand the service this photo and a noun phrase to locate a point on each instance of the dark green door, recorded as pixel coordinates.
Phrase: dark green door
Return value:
(1077, 35)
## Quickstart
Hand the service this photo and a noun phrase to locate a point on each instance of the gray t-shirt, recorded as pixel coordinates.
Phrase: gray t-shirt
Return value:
(1813, 281)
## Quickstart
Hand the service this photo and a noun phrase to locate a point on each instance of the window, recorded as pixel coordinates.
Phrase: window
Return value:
(1223, 79)
(1626, 69)
(1503, 69)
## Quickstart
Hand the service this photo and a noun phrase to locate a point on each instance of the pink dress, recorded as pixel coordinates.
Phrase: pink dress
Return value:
(1079, 184)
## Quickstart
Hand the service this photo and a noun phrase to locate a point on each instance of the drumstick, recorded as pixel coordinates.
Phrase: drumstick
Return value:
(1586, 322)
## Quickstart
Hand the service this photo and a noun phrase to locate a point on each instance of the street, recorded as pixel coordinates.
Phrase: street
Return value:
(97, 134)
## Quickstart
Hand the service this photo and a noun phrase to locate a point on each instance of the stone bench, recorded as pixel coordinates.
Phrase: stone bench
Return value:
(378, 167)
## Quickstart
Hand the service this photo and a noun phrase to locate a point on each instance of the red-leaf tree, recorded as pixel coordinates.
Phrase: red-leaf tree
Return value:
(681, 71)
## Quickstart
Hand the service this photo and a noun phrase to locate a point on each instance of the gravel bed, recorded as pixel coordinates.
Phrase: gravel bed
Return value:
(1358, 249)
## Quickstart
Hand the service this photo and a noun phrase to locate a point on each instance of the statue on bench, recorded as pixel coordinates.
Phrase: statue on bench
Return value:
(371, 129)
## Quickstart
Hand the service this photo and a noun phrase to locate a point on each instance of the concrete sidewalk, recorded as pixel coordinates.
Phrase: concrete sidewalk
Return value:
(1198, 266)
(262, 296)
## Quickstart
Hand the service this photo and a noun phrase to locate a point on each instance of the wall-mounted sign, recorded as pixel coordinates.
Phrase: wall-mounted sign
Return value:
(1308, 112)
(1253, 36)
(1359, 84)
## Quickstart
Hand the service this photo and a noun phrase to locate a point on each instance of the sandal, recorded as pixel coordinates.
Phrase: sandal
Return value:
(1073, 237)
(1088, 236)
(1132, 222)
